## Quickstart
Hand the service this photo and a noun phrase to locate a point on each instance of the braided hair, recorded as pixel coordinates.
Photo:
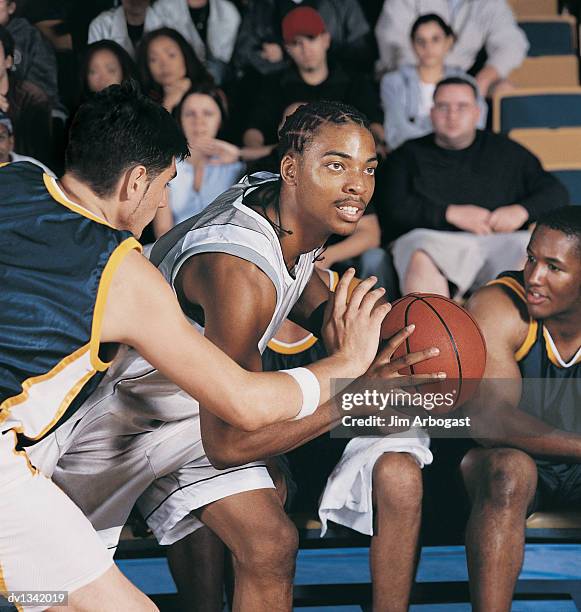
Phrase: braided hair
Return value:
(300, 128)
(296, 133)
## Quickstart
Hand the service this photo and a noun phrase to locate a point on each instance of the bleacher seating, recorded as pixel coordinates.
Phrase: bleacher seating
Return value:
(537, 108)
(542, 527)
(552, 146)
(547, 71)
(527, 8)
(550, 35)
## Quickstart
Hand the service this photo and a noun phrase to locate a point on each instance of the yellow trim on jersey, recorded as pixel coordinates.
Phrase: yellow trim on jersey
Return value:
(334, 280)
(511, 283)
(106, 277)
(283, 348)
(52, 187)
(527, 345)
(553, 357)
(29, 382)
(550, 353)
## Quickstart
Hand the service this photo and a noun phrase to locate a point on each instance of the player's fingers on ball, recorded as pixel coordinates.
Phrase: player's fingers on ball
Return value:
(380, 312)
(360, 292)
(342, 289)
(393, 343)
(419, 356)
(371, 299)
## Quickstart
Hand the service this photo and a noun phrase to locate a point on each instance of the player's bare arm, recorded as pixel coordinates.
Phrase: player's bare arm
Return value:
(504, 323)
(247, 302)
(147, 317)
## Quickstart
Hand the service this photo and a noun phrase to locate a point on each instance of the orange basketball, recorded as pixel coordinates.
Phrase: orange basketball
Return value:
(442, 323)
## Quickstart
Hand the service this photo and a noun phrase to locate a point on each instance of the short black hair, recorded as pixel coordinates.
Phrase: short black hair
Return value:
(119, 128)
(566, 219)
(457, 81)
(195, 70)
(128, 66)
(7, 42)
(431, 18)
(299, 129)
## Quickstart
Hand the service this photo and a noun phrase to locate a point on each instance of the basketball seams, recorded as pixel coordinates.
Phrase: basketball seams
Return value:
(407, 340)
(452, 340)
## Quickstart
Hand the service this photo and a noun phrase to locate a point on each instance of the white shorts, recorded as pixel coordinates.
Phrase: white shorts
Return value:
(126, 446)
(46, 543)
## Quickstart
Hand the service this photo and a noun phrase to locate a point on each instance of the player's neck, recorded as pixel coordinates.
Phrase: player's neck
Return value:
(81, 195)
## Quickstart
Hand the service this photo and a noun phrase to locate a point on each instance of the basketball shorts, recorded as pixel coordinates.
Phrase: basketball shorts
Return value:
(46, 543)
(126, 447)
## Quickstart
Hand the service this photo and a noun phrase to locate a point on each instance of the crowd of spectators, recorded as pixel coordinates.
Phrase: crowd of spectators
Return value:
(229, 71)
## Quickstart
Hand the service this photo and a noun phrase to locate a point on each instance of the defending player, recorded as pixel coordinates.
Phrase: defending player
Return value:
(531, 458)
(73, 286)
(239, 269)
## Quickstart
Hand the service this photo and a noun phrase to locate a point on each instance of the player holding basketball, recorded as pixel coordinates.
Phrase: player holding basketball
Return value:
(73, 286)
(239, 269)
(531, 322)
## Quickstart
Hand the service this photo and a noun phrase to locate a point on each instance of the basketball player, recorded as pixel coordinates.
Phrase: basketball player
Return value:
(531, 322)
(238, 269)
(73, 286)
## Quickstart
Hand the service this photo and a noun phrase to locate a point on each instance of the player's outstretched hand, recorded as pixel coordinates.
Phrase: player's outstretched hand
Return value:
(352, 324)
(384, 366)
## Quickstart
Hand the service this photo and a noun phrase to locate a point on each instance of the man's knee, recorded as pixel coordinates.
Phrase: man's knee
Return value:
(503, 477)
(420, 259)
(270, 548)
(397, 482)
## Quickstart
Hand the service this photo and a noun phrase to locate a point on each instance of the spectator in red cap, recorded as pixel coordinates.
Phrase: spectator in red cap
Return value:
(311, 76)
(260, 46)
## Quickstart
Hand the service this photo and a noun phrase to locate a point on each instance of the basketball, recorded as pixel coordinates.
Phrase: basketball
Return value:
(441, 323)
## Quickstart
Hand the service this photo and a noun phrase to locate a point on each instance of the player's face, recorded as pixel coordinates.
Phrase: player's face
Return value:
(6, 144)
(455, 116)
(335, 178)
(431, 44)
(200, 118)
(155, 196)
(309, 53)
(166, 61)
(104, 70)
(552, 274)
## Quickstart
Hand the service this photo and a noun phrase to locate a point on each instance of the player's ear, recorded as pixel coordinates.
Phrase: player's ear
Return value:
(288, 169)
(134, 183)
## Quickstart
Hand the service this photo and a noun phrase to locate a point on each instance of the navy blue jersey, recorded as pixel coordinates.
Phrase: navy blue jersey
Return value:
(57, 260)
(555, 392)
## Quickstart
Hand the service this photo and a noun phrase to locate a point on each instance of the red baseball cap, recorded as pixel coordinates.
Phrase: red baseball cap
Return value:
(302, 21)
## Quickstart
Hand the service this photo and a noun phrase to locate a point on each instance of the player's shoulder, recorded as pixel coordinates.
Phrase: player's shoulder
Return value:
(500, 307)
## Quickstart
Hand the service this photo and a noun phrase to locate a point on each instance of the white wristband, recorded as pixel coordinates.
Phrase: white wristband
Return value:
(310, 388)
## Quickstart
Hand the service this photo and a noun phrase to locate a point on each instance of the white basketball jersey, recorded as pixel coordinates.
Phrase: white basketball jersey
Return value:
(225, 226)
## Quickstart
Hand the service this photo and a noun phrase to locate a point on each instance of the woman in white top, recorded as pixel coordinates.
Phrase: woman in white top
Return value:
(126, 24)
(213, 166)
(407, 93)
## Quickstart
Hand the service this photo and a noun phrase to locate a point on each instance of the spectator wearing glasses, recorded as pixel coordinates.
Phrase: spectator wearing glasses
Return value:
(463, 199)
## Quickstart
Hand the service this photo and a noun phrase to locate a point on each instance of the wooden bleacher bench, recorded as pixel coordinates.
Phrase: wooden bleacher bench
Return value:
(541, 527)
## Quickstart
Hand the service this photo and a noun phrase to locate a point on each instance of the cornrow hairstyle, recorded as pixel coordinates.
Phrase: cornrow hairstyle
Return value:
(296, 134)
(299, 129)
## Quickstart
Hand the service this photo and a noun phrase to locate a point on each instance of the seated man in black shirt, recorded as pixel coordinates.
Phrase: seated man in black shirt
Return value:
(462, 198)
(309, 78)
